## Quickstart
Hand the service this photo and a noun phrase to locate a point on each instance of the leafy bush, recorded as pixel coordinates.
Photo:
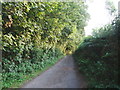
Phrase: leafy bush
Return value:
(97, 57)
(13, 71)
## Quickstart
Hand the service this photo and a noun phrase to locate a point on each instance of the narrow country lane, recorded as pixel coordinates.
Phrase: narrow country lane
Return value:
(64, 74)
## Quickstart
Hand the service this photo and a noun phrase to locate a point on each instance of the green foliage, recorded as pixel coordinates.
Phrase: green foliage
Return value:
(43, 22)
(37, 33)
(13, 70)
(97, 56)
(111, 7)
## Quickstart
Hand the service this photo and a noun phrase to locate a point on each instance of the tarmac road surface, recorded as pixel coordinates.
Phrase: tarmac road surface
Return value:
(63, 74)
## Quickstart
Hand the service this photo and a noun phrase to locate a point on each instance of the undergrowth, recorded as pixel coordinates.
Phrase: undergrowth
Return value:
(97, 57)
(15, 74)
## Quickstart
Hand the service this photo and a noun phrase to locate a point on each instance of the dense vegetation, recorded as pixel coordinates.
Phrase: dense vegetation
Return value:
(35, 34)
(97, 56)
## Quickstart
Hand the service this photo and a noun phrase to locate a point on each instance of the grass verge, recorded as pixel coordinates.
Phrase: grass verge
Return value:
(29, 77)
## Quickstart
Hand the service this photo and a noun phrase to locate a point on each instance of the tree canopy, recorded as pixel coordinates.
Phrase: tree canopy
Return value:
(45, 22)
